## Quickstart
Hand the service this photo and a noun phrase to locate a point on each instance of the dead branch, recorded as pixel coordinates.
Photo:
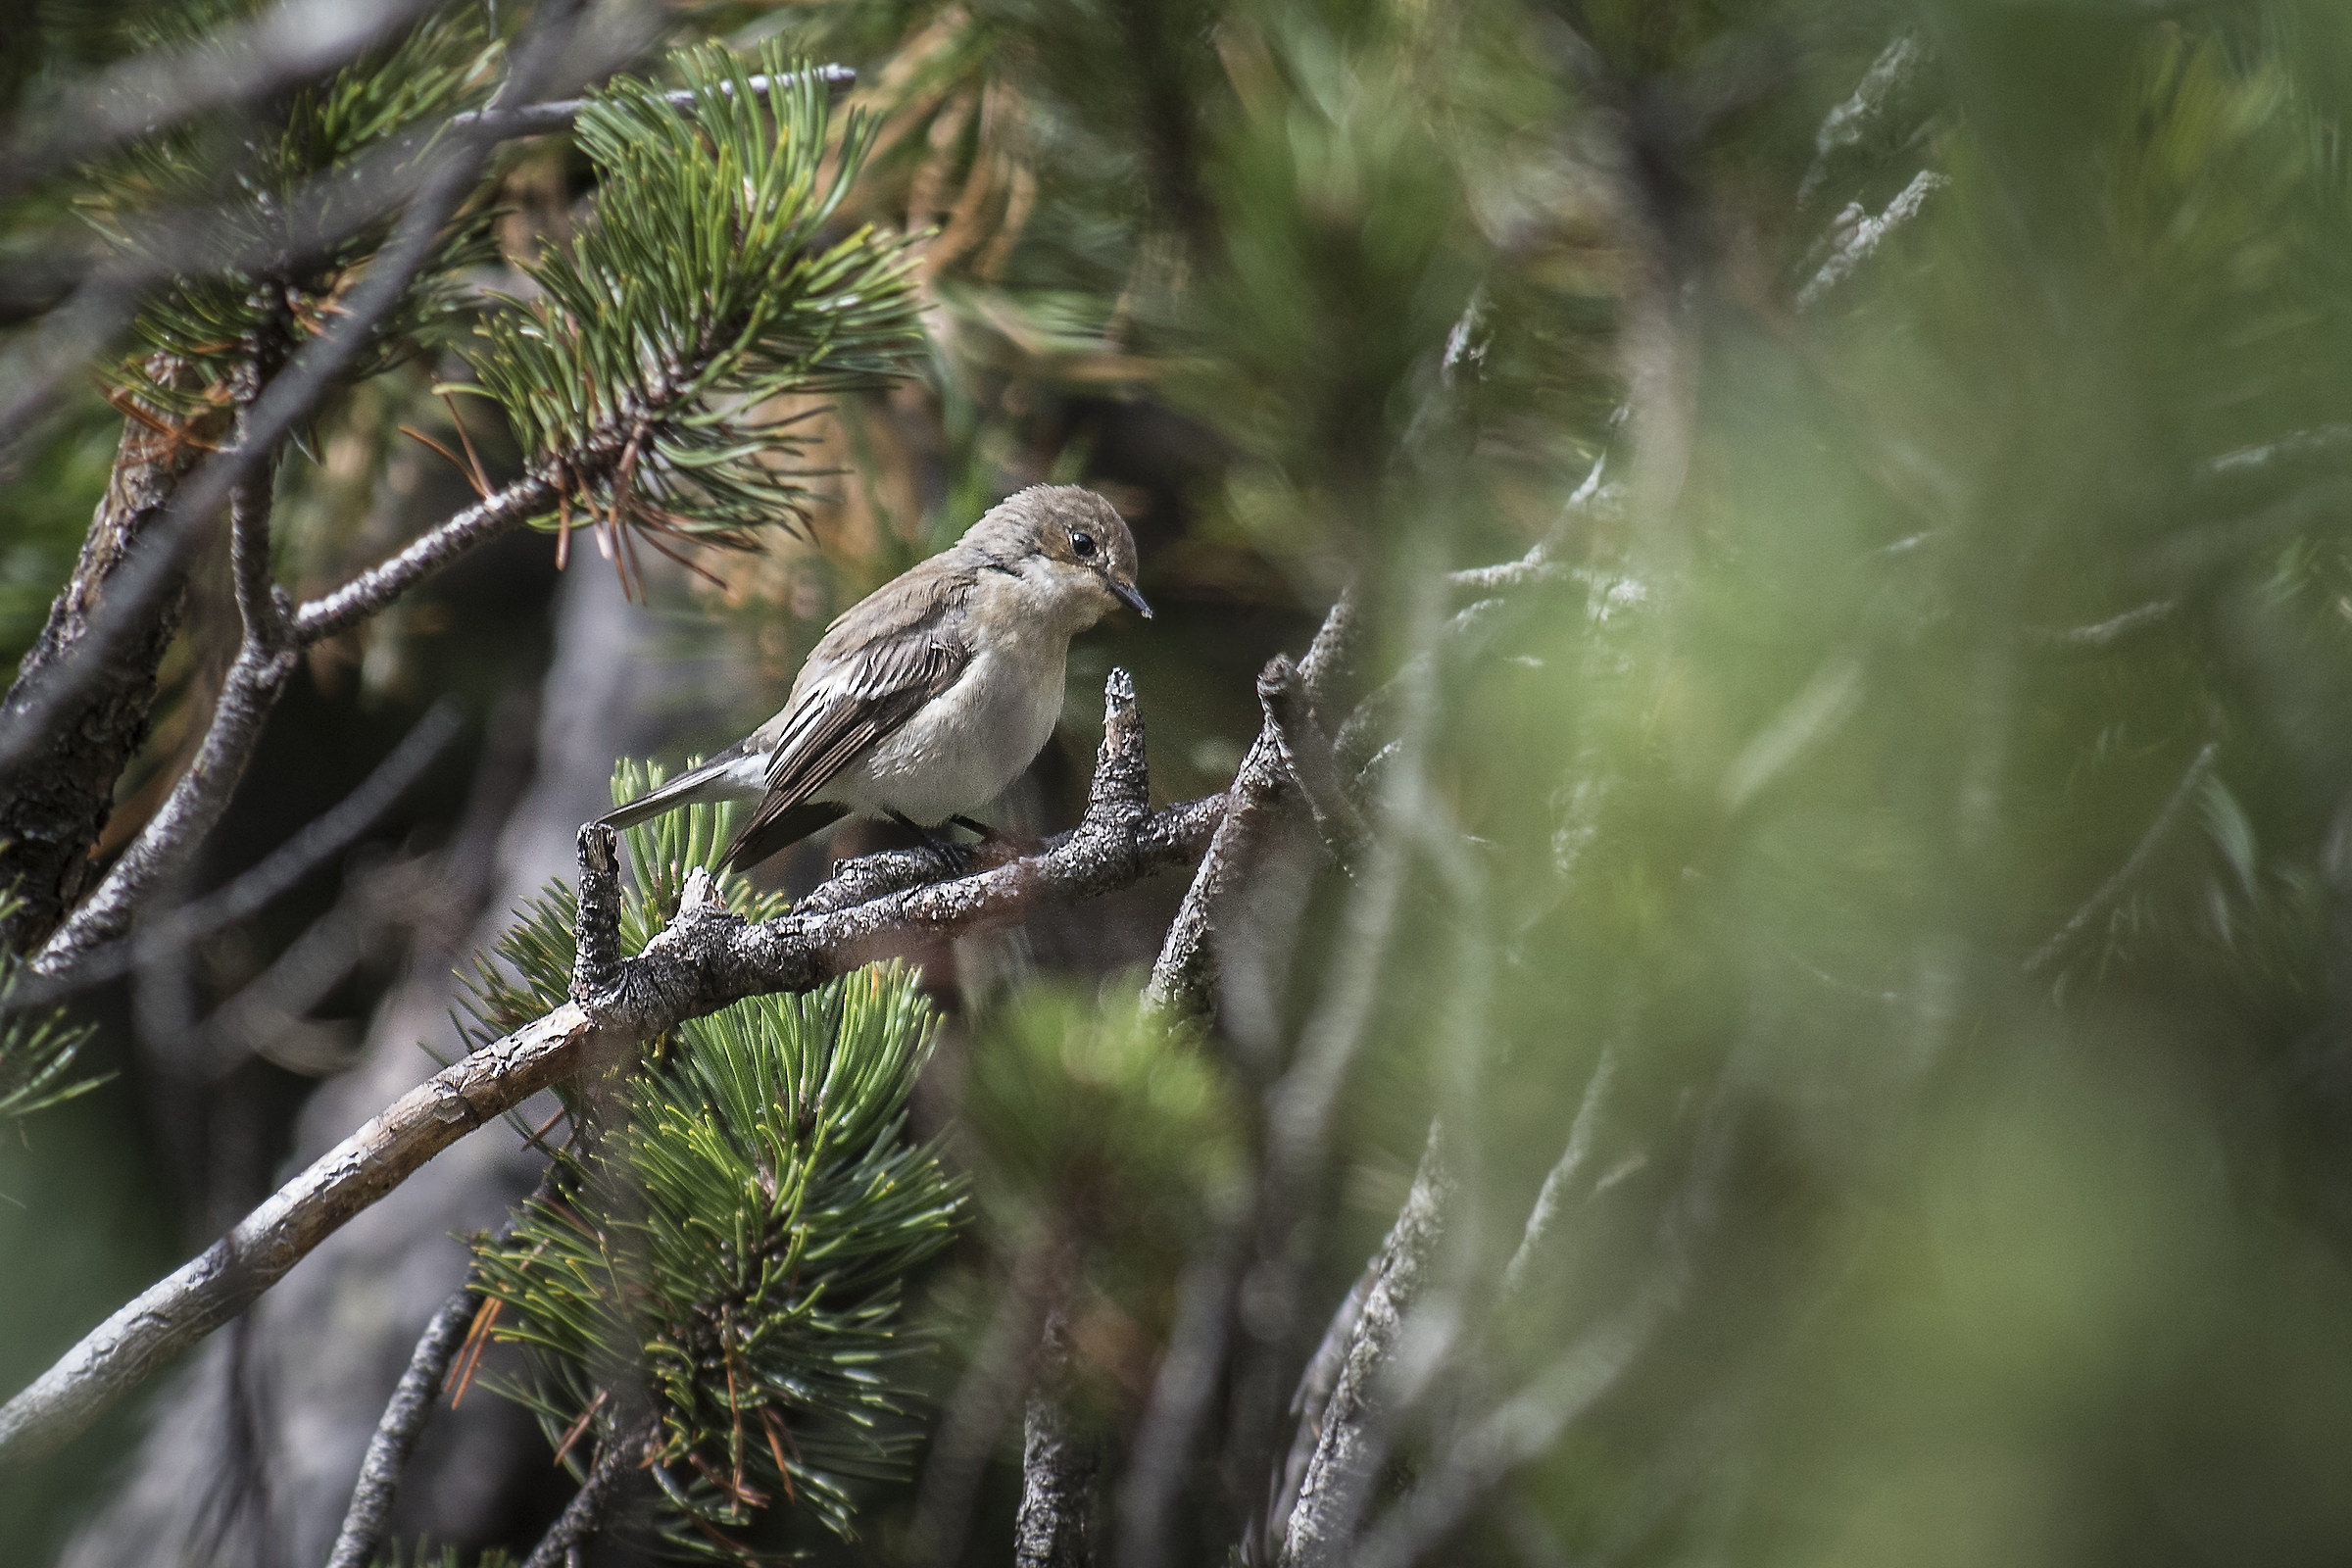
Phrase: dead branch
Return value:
(1860, 236)
(1054, 1527)
(266, 658)
(617, 1462)
(705, 961)
(1184, 976)
(1339, 1477)
(1307, 755)
(279, 871)
(396, 1434)
(57, 790)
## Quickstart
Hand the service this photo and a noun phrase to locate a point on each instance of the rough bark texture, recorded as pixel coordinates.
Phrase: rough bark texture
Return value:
(1346, 1464)
(1183, 979)
(53, 802)
(395, 1433)
(266, 658)
(1055, 1526)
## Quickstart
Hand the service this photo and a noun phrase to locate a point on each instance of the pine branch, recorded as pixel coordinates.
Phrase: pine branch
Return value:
(240, 64)
(1339, 1477)
(704, 961)
(288, 398)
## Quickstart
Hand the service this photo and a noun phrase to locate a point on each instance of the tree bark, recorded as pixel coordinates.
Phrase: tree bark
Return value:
(54, 800)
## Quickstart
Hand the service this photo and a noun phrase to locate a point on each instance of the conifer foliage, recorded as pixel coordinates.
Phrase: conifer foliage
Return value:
(719, 1257)
(705, 288)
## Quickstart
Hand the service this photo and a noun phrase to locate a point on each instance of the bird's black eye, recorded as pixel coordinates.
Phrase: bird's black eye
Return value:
(1082, 545)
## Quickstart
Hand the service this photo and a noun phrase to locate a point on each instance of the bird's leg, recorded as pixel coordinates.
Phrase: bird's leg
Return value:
(1012, 846)
(947, 848)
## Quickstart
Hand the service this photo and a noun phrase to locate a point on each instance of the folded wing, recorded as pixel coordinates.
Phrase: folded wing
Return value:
(886, 664)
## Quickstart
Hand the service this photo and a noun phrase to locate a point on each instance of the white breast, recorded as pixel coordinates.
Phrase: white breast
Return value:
(961, 750)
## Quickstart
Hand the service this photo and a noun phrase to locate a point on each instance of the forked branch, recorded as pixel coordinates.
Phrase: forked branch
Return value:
(705, 959)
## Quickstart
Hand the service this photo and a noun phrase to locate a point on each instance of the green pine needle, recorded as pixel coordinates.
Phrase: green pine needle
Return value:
(707, 286)
(733, 1248)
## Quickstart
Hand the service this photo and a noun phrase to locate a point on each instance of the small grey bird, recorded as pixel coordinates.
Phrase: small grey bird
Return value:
(930, 695)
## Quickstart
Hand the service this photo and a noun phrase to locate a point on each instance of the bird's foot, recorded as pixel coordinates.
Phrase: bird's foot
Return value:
(1002, 844)
(949, 854)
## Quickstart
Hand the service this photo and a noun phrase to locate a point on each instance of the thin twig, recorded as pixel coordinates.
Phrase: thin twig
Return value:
(1339, 1477)
(276, 873)
(1862, 239)
(1859, 117)
(616, 1461)
(397, 1432)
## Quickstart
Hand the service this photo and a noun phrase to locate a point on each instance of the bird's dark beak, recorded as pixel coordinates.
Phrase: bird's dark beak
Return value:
(1131, 598)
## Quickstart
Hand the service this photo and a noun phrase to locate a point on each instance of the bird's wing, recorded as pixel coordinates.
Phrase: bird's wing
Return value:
(891, 656)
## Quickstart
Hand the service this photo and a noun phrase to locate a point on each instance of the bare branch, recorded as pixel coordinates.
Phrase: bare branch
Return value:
(1529, 1422)
(265, 659)
(395, 1433)
(1183, 977)
(241, 63)
(1001, 1369)
(616, 1462)
(1307, 755)
(1860, 238)
(1054, 1528)
(1339, 1477)
(56, 797)
(1570, 1165)
(1312, 1399)
(199, 1296)
(2103, 635)
(279, 871)
(1860, 117)
(705, 959)
(371, 590)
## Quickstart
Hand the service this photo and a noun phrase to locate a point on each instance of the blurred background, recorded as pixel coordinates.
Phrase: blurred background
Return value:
(1867, 902)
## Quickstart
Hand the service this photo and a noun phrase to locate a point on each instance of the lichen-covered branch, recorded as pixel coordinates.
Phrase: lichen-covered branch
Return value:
(705, 959)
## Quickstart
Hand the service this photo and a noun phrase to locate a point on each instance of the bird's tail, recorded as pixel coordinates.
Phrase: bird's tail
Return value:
(718, 779)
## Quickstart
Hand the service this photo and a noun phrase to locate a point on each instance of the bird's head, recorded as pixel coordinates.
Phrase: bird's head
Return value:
(1071, 537)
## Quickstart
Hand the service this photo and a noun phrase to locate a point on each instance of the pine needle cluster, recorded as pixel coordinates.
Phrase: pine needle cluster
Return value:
(645, 368)
(722, 1255)
(36, 1049)
(310, 194)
